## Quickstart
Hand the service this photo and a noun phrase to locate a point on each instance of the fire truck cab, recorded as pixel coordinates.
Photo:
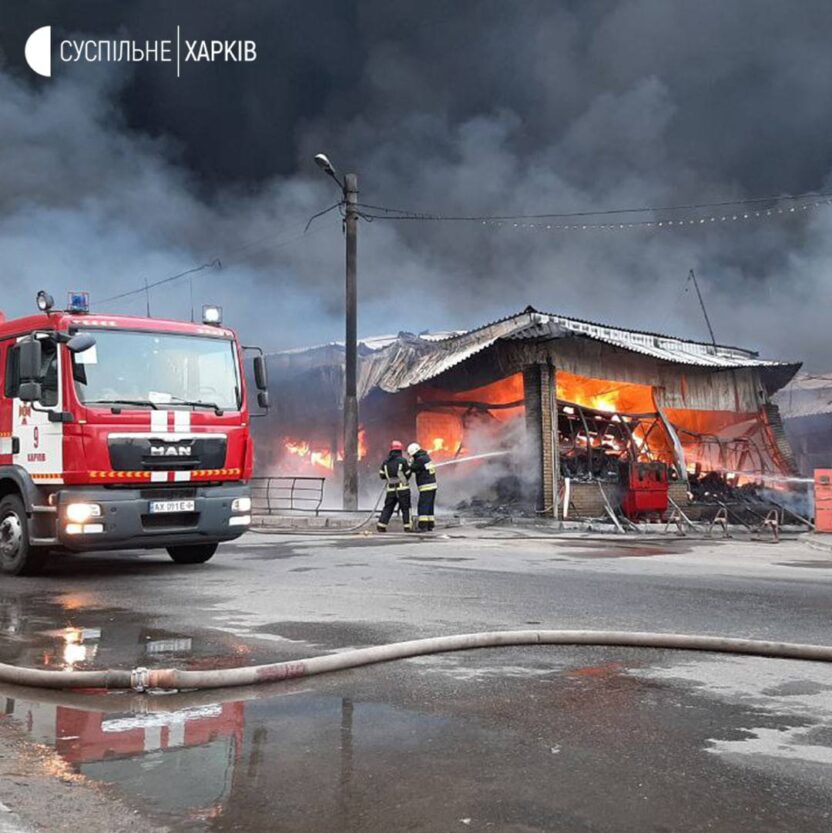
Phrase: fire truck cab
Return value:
(120, 432)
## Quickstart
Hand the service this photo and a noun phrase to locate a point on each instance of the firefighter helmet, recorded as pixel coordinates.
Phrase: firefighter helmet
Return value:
(396, 446)
(413, 448)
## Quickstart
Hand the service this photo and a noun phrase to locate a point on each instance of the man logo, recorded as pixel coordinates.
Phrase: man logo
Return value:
(170, 451)
(39, 51)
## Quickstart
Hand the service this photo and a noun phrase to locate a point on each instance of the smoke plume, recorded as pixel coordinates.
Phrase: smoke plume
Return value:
(113, 174)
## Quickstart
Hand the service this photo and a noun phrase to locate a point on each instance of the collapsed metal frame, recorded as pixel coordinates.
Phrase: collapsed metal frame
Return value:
(575, 438)
(750, 447)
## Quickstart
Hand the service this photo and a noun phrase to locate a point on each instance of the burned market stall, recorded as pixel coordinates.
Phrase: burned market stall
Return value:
(543, 413)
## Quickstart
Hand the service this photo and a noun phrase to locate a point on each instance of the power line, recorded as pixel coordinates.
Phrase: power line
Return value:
(217, 262)
(663, 223)
(148, 286)
(626, 225)
(406, 214)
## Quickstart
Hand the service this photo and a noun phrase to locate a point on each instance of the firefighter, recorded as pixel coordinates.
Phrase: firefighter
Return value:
(396, 471)
(424, 471)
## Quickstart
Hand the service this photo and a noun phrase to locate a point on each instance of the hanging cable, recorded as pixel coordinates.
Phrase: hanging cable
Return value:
(217, 262)
(405, 214)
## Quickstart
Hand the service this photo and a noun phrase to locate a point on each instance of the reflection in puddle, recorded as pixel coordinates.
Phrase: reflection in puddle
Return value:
(182, 762)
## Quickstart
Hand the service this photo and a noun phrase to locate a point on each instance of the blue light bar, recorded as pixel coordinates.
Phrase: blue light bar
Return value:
(78, 301)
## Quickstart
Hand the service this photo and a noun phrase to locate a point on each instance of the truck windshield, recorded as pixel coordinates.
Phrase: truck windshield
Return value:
(158, 369)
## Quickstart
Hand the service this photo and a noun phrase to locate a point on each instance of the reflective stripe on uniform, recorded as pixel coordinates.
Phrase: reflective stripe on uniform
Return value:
(427, 518)
(381, 525)
(430, 487)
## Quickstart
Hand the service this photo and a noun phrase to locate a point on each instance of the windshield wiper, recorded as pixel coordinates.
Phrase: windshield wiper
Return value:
(145, 402)
(197, 403)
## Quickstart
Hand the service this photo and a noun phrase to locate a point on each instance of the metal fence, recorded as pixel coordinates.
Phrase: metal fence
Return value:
(281, 494)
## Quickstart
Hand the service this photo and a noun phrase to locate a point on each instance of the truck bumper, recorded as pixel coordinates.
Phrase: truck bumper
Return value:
(127, 523)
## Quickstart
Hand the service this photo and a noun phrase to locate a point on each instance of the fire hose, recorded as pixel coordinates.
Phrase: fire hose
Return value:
(144, 679)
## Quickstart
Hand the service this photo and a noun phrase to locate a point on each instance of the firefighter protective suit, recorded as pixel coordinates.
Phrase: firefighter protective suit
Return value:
(424, 471)
(395, 470)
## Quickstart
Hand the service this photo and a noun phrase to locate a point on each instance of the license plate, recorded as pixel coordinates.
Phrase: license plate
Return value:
(159, 506)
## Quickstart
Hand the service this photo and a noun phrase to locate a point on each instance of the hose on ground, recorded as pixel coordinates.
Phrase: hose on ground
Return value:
(142, 679)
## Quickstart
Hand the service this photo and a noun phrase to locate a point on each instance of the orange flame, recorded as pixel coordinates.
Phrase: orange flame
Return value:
(321, 456)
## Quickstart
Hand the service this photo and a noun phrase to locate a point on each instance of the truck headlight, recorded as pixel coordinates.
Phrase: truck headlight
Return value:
(80, 512)
(241, 504)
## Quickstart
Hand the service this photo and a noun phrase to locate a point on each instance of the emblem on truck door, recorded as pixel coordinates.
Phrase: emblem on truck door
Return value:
(171, 450)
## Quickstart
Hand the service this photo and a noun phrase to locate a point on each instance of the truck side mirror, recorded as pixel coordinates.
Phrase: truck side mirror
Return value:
(261, 378)
(30, 357)
(263, 399)
(80, 342)
(29, 392)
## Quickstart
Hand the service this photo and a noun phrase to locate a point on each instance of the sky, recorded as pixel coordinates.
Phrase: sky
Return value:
(113, 174)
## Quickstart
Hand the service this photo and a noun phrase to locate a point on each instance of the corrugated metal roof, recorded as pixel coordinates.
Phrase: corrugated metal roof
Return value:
(396, 363)
(666, 348)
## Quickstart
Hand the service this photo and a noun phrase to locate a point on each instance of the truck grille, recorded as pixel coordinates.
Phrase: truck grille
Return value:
(144, 453)
(165, 493)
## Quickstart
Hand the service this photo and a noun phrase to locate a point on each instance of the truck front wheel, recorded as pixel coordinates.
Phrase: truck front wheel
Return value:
(17, 557)
(195, 554)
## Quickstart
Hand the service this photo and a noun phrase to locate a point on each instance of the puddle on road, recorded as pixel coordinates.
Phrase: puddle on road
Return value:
(451, 559)
(64, 632)
(578, 739)
(797, 695)
(617, 552)
(532, 739)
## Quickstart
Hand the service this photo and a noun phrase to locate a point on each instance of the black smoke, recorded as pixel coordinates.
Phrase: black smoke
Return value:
(113, 174)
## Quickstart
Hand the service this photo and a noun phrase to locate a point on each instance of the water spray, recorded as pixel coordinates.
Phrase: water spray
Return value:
(774, 478)
(482, 456)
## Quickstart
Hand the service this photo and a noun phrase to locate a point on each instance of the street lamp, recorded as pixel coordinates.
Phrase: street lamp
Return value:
(322, 161)
(349, 188)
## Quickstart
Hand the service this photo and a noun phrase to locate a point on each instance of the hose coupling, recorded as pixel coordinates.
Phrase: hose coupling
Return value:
(139, 679)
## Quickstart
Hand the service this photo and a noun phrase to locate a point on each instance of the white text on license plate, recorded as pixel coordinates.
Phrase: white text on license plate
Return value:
(157, 506)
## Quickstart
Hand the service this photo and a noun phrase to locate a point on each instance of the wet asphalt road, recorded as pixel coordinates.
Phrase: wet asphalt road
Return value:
(567, 739)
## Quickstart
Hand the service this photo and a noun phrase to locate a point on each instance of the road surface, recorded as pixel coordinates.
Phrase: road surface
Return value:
(523, 739)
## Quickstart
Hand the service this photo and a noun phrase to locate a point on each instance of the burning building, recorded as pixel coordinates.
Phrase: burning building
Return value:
(573, 407)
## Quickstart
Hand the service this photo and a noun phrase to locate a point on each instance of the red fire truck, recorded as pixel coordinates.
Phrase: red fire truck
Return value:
(121, 432)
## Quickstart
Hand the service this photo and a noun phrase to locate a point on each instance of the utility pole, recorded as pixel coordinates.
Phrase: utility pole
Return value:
(349, 188)
(692, 276)
(351, 347)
